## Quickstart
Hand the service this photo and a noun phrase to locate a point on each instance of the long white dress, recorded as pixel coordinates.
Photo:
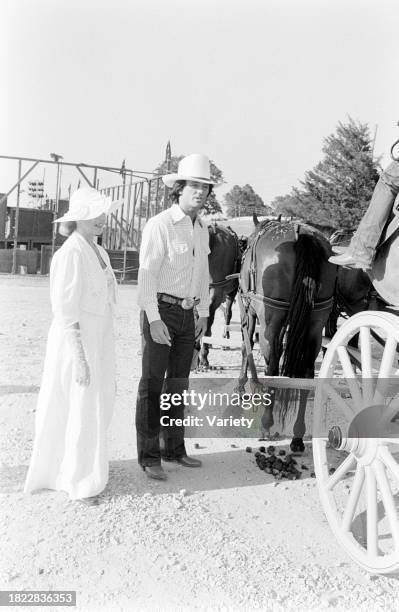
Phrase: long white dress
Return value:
(70, 446)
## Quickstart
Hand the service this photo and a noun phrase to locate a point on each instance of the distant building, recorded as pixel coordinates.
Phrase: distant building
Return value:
(35, 226)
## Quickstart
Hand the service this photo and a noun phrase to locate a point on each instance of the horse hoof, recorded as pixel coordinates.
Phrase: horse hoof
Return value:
(239, 389)
(256, 387)
(297, 445)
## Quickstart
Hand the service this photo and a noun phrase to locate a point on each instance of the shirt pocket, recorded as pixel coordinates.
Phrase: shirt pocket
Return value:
(179, 253)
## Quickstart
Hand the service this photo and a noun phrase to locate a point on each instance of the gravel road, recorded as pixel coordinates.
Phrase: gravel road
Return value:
(224, 537)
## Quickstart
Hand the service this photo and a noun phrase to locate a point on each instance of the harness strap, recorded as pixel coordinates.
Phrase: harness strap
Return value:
(251, 247)
(223, 283)
(319, 305)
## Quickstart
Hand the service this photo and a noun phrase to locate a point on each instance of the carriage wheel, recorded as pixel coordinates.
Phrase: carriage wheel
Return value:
(356, 441)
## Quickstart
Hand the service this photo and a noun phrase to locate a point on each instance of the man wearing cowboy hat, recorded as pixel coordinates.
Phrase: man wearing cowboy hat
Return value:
(173, 278)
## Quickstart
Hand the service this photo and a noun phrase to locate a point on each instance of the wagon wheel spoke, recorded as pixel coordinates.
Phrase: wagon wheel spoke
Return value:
(389, 462)
(339, 401)
(385, 370)
(364, 518)
(350, 376)
(367, 371)
(353, 498)
(341, 471)
(387, 499)
(390, 411)
(372, 513)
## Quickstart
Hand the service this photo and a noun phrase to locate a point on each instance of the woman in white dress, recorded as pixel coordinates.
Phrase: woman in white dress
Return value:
(76, 397)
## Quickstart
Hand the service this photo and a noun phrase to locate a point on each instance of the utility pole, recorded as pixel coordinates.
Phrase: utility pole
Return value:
(168, 159)
(15, 250)
(56, 158)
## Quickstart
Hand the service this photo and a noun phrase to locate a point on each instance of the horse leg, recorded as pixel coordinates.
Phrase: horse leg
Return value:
(331, 326)
(315, 341)
(228, 311)
(270, 345)
(216, 300)
(299, 429)
(243, 377)
(197, 347)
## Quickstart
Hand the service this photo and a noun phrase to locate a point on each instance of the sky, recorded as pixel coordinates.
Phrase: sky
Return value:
(254, 84)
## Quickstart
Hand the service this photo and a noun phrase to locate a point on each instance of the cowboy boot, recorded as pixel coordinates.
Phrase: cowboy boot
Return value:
(348, 260)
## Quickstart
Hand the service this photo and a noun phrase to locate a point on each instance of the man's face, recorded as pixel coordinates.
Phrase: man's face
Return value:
(193, 196)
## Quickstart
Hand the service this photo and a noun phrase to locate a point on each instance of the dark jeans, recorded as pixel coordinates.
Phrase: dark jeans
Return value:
(158, 360)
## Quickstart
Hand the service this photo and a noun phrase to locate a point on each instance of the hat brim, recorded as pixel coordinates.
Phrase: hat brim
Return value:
(170, 179)
(110, 206)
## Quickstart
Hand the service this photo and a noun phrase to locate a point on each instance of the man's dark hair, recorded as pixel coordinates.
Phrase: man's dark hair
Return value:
(178, 188)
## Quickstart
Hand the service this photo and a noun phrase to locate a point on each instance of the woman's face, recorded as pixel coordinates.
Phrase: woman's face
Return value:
(93, 227)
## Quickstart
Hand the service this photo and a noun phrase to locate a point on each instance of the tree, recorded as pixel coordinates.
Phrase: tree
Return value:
(243, 201)
(339, 188)
(212, 204)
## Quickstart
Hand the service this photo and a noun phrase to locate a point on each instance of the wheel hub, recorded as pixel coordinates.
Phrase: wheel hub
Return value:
(340, 442)
(362, 436)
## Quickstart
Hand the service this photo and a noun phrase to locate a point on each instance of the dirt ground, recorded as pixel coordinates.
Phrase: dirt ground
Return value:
(224, 537)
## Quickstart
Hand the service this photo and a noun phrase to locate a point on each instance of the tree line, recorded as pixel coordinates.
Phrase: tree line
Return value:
(334, 194)
(337, 191)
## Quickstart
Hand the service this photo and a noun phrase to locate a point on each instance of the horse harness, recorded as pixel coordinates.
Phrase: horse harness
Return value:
(252, 295)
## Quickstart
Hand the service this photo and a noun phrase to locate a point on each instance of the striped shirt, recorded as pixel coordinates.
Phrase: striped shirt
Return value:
(174, 260)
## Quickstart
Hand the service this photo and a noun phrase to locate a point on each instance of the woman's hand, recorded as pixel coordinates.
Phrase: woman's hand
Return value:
(82, 372)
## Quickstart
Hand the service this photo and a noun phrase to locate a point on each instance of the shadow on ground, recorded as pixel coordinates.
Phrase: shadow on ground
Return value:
(220, 470)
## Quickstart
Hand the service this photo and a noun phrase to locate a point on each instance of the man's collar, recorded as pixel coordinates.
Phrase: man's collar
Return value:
(177, 214)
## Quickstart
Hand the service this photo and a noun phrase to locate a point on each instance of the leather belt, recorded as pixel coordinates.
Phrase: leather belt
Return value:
(186, 303)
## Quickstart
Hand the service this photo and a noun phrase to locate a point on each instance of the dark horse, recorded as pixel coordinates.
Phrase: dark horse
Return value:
(356, 290)
(287, 284)
(353, 289)
(224, 259)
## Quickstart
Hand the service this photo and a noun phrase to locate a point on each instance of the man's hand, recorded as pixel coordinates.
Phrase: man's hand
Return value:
(200, 327)
(159, 332)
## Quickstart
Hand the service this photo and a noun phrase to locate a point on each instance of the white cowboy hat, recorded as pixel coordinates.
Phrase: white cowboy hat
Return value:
(195, 167)
(88, 203)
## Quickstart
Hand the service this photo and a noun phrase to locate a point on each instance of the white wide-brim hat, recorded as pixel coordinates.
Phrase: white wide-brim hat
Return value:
(195, 167)
(88, 203)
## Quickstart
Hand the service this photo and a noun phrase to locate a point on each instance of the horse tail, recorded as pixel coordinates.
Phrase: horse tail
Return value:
(298, 360)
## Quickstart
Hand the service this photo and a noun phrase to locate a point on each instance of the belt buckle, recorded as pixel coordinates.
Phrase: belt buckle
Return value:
(187, 303)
